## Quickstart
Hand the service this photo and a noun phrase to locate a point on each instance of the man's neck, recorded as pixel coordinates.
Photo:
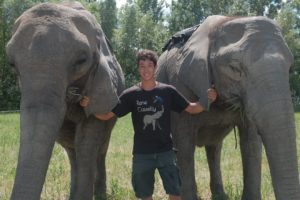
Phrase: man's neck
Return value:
(148, 85)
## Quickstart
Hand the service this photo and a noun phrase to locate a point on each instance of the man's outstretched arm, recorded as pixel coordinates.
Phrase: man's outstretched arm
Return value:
(84, 102)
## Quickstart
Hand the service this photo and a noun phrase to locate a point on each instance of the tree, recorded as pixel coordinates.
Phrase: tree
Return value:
(289, 20)
(264, 7)
(108, 17)
(126, 41)
(152, 31)
(152, 7)
(186, 13)
(9, 91)
(138, 29)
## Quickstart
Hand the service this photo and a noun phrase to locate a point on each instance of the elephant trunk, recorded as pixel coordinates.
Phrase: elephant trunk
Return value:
(42, 113)
(274, 116)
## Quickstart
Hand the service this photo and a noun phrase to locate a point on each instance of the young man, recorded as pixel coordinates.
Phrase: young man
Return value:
(150, 104)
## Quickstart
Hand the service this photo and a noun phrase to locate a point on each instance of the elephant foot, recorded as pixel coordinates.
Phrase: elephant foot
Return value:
(185, 197)
(220, 196)
(102, 196)
(251, 197)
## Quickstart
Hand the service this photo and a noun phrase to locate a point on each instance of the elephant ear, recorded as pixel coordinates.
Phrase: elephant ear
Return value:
(107, 81)
(100, 90)
(193, 60)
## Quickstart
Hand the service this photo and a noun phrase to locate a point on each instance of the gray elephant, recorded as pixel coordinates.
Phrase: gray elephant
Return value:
(60, 53)
(248, 61)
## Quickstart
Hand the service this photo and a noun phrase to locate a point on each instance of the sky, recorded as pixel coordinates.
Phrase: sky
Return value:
(122, 2)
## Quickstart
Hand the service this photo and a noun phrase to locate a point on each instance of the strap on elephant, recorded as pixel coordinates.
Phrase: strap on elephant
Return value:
(180, 37)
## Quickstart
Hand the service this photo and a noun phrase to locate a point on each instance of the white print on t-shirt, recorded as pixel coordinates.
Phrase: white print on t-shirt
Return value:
(151, 119)
(151, 108)
(141, 103)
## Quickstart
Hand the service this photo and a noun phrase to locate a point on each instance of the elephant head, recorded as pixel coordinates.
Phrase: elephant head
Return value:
(250, 66)
(55, 47)
(248, 61)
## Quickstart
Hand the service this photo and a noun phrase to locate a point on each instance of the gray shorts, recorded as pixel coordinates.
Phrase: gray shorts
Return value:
(143, 168)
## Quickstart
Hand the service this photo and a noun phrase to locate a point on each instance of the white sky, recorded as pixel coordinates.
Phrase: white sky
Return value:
(122, 2)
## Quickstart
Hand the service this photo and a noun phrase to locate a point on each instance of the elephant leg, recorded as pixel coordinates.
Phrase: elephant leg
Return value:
(72, 159)
(100, 181)
(213, 153)
(87, 141)
(251, 151)
(186, 165)
(185, 143)
(66, 140)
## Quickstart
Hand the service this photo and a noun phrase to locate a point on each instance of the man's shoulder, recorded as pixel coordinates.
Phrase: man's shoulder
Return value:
(131, 89)
(166, 86)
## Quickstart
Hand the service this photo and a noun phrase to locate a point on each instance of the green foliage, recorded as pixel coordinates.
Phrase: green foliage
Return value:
(154, 8)
(137, 30)
(289, 20)
(94, 7)
(239, 8)
(108, 17)
(9, 92)
(105, 12)
(126, 41)
(151, 34)
(186, 13)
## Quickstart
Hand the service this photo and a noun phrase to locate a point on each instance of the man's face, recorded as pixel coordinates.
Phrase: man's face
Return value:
(146, 69)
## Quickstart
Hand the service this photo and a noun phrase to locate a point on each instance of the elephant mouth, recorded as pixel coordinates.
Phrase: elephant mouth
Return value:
(76, 90)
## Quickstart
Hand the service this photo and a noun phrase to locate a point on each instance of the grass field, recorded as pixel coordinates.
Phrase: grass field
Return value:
(119, 165)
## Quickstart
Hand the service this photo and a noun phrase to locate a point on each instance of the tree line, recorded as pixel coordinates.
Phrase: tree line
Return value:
(149, 24)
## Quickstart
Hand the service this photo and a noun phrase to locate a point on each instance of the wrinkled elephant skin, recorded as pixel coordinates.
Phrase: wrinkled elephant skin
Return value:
(60, 53)
(248, 62)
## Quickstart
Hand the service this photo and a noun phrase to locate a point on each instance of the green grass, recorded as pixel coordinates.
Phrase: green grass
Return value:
(118, 164)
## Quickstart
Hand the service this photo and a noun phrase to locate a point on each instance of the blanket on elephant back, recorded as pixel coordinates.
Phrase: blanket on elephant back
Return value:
(180, 37)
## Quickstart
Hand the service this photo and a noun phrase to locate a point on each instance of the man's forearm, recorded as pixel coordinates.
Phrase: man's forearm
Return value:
(194, 108)
(105, 116)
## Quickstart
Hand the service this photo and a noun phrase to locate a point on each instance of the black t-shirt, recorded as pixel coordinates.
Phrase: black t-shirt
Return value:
(150, 114)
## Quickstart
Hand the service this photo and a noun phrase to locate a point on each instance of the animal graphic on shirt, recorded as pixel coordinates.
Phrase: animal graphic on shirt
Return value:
(152, 119)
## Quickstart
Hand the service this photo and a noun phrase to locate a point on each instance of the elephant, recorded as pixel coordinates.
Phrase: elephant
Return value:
(248, 62)
(60, 53)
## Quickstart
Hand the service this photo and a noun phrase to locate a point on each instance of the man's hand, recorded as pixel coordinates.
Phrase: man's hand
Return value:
(212, 94)
(84, 102)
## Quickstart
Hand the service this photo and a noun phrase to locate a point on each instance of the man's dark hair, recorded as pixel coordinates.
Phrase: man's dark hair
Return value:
(146, 54)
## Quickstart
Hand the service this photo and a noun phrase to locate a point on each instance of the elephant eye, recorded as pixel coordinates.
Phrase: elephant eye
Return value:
(81, 60)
